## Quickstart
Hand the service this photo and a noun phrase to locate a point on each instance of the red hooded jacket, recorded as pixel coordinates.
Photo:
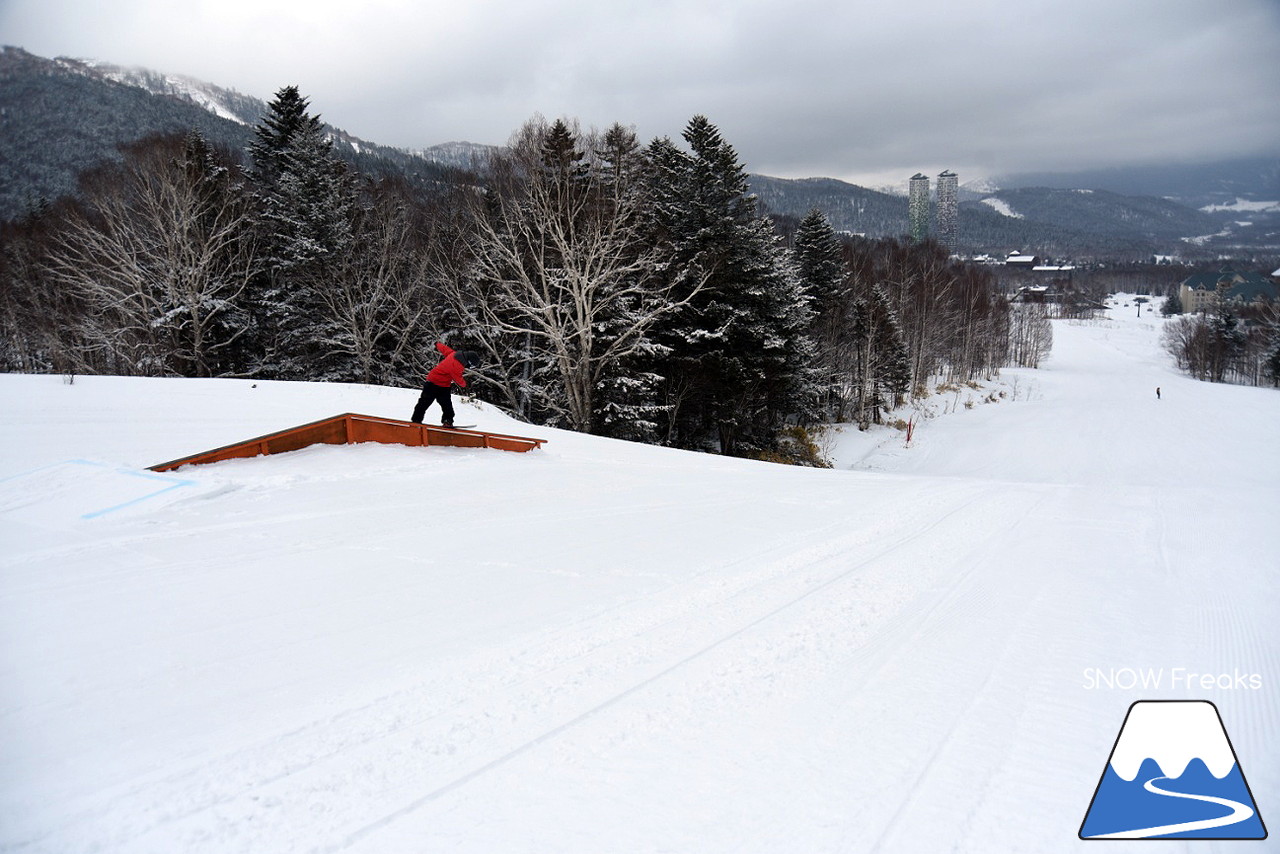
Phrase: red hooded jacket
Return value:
(448, 371)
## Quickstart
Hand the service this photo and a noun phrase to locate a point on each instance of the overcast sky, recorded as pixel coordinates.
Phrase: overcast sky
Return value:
(866, 91)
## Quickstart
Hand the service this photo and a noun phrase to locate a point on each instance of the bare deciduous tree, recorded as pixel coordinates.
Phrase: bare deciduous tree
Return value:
(1030, 335)
(158, 255)
(558, 250)
(377, 296)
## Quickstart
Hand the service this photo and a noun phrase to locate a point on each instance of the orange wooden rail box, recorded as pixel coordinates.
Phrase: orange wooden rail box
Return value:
(351, 428)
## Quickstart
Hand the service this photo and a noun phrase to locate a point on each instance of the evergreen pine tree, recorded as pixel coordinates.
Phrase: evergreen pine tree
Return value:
(892, 365)
(563, 161)
(1271, 361)
(306, 206)
(818, 262)
(621, 161)
(307, 212)
(629, 403)
(740, 353)
(285, 119)
(821, 270)
(882, 364)
(1228, 342)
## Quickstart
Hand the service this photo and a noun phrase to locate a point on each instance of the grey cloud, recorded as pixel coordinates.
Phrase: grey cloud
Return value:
(835, 88)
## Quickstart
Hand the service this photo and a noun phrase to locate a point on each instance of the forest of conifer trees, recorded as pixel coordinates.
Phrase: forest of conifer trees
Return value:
(611, 287)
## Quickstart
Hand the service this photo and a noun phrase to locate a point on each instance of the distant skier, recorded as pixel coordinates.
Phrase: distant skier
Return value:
(1157, 392)
(439, 381)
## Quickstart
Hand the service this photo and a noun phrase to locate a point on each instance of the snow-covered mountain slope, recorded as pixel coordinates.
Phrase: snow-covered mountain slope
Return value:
(462, 155)
(608, 647)
(224, 103)
(1001, 206)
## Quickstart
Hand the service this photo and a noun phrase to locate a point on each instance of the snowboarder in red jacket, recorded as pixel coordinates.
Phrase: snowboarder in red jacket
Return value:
(439, 381)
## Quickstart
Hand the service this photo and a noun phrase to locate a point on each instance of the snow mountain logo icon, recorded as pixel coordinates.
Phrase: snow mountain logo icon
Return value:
(1173, 774)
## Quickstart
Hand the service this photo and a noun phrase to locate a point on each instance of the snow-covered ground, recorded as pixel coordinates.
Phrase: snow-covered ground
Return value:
(1001, 206)
(1244, 206)
(604, 647)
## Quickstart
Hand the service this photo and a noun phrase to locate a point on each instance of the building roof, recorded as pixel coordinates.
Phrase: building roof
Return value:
(1246, 287)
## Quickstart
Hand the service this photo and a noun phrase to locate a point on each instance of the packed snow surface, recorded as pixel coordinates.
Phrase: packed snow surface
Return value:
(607, 647)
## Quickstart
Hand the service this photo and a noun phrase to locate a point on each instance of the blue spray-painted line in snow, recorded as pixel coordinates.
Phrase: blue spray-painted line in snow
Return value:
(48, 466)
(173, 483)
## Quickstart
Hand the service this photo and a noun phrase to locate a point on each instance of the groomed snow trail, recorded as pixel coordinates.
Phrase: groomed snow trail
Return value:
(606, 647)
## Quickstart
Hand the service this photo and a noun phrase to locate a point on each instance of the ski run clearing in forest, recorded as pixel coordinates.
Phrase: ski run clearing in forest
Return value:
(609, 647)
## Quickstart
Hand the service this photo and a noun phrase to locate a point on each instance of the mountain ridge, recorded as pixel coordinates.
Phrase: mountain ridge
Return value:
(60, 116)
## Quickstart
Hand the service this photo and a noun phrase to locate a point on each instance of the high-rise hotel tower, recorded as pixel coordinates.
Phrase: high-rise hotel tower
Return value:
(918, 207)
(948, 208)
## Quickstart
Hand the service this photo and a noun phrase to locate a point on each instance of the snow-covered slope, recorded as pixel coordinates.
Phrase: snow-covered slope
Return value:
(224, 103)
(608, 647)
(999, 205)
(463, 155)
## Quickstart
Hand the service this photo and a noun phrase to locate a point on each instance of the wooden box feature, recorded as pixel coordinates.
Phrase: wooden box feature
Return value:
(351, 428)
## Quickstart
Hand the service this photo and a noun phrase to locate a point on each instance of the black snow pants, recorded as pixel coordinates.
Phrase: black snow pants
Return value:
(432, 393)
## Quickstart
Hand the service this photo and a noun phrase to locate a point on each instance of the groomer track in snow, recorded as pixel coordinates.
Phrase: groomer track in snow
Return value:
(607, 646)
